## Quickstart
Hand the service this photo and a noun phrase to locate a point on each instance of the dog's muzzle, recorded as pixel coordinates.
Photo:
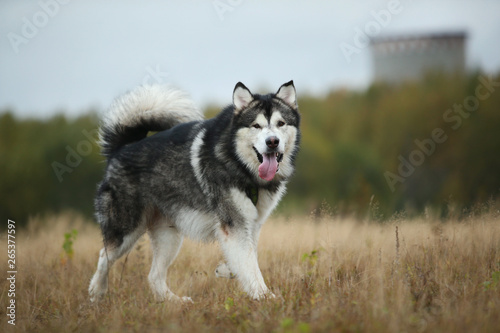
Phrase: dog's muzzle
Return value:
(269, 164)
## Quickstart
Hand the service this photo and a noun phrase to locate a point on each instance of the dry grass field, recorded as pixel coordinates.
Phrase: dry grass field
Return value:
(330, 275)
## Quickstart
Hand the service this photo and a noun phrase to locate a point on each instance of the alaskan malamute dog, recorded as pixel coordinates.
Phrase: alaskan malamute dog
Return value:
(216, 179)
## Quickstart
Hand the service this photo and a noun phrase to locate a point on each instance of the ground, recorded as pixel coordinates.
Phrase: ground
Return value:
(330, 274)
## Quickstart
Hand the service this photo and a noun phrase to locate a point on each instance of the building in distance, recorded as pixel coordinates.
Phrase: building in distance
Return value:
(397, 59)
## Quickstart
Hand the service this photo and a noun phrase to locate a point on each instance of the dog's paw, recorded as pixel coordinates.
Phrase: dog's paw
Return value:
(262, 295)
(96, 292)
(182, 300)
(186, 300)
(95, 298)
(270, 295)
(222, 271)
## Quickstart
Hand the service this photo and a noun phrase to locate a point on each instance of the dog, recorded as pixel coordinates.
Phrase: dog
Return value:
(210, 180)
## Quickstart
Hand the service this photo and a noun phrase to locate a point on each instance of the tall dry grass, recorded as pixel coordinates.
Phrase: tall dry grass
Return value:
(329, 275)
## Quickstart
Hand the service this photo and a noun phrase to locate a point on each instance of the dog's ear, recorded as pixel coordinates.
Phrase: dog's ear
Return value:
(241, 97)
(287, 94)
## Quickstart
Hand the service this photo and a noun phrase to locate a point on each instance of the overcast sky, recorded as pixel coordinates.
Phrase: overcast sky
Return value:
(73, 55)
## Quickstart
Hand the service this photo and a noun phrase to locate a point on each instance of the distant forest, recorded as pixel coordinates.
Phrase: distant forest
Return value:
(433, 144)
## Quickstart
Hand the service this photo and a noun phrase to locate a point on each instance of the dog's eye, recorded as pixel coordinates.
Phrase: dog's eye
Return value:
(256, 126)
(281, 123)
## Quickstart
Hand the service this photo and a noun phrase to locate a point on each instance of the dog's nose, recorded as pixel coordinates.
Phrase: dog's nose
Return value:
(272, 142)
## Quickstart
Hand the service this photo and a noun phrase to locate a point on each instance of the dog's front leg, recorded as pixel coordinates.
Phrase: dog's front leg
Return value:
(239, 250)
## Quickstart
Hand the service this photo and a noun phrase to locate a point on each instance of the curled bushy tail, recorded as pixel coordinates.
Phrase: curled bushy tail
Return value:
(147, 108)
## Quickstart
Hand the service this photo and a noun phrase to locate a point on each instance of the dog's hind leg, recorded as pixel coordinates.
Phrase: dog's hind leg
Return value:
(166, 242)
(107, 257)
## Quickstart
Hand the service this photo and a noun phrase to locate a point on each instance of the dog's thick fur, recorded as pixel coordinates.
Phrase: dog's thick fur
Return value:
(216, 179)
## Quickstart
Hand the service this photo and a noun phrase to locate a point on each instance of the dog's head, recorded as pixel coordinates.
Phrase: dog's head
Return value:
(267, 130)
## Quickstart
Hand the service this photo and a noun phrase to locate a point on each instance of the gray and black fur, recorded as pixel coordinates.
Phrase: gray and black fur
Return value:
(206, 179)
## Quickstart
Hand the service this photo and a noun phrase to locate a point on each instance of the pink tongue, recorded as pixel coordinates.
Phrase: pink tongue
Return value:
(267, 169)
